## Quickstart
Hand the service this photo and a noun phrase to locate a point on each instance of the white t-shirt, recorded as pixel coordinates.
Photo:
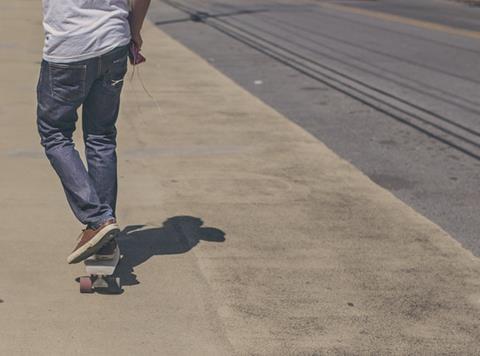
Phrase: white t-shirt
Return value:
(80, 29)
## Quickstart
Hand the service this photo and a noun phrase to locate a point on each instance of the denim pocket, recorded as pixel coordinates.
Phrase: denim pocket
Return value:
(67, 81)
(114, 75)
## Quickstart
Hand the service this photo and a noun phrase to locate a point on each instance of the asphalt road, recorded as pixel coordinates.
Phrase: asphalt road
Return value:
(393, 86)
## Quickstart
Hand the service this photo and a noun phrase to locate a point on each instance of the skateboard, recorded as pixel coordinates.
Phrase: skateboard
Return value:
(100, 274)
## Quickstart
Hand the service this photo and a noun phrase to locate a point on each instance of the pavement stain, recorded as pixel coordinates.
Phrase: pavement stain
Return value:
(314, 88)
(304, 326)
(392, 182)
(388, 142)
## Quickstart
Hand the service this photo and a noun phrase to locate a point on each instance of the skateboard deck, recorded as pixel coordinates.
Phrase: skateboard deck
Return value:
(100, 274)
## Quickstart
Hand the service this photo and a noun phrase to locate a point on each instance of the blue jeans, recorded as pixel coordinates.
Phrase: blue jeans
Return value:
(95, 84)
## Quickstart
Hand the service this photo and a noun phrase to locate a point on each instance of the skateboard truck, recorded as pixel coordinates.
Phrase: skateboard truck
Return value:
(100, 274)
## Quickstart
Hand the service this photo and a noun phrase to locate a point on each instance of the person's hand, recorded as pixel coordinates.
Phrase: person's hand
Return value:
(137, 39)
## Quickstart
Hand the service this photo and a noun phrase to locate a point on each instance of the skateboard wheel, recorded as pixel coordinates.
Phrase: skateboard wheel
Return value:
(86, 285)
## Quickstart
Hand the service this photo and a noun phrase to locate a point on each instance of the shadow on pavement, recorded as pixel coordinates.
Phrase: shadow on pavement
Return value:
(177, 235)
(201, 16)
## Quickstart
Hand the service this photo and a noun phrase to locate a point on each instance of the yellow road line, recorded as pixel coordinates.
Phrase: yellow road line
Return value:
(405, 20)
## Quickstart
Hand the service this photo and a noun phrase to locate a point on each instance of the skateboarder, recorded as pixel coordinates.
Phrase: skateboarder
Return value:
(84, 63)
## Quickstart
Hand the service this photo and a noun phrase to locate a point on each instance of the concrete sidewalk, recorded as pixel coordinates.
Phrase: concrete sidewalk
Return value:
(242, 233)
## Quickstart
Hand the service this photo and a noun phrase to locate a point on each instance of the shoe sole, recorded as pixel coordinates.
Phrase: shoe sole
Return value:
(108, 233)
(99, 257)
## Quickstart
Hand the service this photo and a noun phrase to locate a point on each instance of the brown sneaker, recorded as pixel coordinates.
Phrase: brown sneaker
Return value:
(91, 240)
